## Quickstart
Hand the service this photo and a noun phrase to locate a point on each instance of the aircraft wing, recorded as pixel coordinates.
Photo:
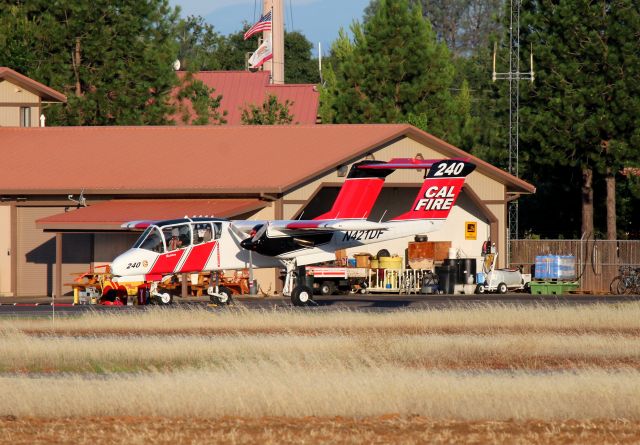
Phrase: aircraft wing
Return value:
(326, 225)
(137, 225)
(246, 226)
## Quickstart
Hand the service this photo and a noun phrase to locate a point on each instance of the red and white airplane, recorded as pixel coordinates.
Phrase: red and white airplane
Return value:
(191, 245)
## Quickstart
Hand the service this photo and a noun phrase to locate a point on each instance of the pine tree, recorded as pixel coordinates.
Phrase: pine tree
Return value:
(198, 44)
(583, 110)
(464, 25)
(396, 69)
(113, 58)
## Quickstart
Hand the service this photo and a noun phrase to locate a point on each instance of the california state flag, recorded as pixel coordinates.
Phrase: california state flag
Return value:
(261, 55)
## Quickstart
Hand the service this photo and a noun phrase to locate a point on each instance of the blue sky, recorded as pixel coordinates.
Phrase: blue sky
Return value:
(319, 20)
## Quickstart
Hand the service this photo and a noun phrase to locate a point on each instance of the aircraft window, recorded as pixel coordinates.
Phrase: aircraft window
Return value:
(217, 230)
(153, 240)
(202, 233)
(142, 237)
(177, 237)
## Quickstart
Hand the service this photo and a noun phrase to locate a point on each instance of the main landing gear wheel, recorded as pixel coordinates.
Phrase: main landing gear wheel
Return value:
(224, 296)
(502, 288)
(301, 296)
(164, 299)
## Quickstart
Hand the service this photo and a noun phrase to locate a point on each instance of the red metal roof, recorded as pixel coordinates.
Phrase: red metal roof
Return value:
(197, 160)
(240, 88)
(110, 215)
(47, 94)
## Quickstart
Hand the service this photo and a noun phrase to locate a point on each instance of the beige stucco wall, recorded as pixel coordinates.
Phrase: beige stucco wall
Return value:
(5, 250)
(265, 213)
(453, 229)
(14, 94)
(9, 116)
(500, 212)
(10, 92)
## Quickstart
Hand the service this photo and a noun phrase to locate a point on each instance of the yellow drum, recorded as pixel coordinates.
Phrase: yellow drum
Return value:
(390, 262)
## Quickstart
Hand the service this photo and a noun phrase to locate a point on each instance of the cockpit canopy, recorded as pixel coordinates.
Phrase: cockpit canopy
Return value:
(178, 234)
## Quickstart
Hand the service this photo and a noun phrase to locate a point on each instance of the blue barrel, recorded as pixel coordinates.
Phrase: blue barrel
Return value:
(542, 267)
(480, 277)
(554, 267)
(567, 267)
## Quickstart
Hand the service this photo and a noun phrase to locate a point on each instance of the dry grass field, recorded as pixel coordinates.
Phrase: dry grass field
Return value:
(499, 374)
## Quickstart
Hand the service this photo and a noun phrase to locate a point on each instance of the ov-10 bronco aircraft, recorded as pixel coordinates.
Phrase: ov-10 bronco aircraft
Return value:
(191, 245)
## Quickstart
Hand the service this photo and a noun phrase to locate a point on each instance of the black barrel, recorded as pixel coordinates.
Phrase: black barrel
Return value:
(464, 268)
(467, 271)
(446, 278)
(454, 264)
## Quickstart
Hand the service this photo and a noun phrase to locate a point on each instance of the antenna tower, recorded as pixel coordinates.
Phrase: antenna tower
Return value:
(513, 76)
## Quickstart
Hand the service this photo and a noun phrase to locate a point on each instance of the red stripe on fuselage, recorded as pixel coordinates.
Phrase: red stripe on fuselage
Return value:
(166, 263)
(198, 257)
(356, 198)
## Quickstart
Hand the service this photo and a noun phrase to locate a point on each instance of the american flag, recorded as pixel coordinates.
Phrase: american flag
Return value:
(264, 24)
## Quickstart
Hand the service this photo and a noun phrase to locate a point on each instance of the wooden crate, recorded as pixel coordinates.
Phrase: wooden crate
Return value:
(435, 250)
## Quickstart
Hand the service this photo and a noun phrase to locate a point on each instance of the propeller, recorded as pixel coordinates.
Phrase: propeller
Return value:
(240, 235)
(256, 234)
(260, 230)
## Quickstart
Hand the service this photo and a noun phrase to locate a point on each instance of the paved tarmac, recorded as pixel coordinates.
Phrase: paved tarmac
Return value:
(41, 306)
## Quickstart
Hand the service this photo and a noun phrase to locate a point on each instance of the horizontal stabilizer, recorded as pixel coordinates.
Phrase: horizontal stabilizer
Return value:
(405, 163)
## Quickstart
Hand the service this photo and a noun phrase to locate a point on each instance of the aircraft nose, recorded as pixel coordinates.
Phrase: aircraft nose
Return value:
(119, 264)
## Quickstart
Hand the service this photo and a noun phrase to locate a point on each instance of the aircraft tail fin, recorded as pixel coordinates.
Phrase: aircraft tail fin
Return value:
(439, 191)
(359, 192)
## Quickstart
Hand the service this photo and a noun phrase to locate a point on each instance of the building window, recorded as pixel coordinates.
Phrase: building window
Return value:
(25, 116)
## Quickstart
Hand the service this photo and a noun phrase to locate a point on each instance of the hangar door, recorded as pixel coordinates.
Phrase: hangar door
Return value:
(36, 255)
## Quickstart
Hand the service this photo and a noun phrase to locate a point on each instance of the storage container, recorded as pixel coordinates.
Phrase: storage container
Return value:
(555, 267)
(362, 259)
(390, 262)
(446, 278)
(465, 269)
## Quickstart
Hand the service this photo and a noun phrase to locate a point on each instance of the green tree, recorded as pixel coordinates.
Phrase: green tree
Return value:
(113, 58)
(464, 25)
(233, 49)
(299, 67)
(341, 51)
(198, 45)
(394, 68)
(198, 104)
(582, 111)
(271, 112)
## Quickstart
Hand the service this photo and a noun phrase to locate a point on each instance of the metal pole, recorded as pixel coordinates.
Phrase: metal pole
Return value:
(251, 287)
(513, 76)
(58, 289)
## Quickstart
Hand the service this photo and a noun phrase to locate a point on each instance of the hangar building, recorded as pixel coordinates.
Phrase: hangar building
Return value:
(238, 172)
